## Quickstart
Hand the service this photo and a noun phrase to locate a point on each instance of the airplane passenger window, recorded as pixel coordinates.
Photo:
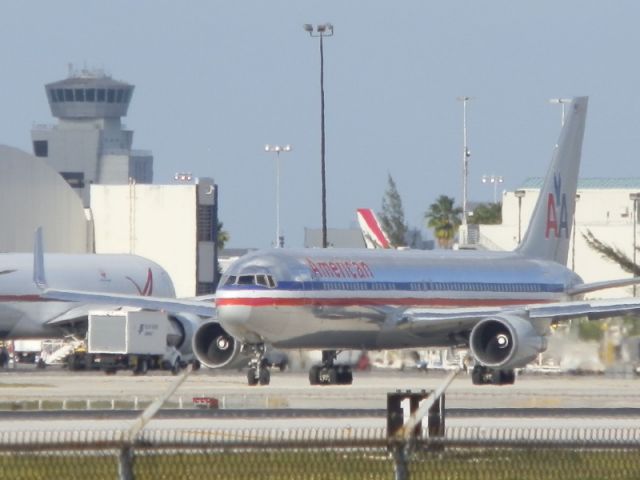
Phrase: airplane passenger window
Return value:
(230, 280)
(246, 280)
(261, 280)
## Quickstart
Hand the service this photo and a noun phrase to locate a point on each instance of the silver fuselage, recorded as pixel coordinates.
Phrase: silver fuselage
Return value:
(25, 313)
(344, 298)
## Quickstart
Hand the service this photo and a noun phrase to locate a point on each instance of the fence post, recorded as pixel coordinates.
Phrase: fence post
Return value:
(125, 463)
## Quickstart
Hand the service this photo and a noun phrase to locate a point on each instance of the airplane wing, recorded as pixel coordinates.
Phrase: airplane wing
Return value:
(169, 305)
(466, 318)
(201, 307)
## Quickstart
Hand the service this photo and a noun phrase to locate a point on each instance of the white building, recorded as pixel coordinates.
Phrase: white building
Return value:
(603, 207)
(172, 225)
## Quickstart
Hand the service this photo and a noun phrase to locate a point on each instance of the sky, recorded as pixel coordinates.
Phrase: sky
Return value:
(217, 80)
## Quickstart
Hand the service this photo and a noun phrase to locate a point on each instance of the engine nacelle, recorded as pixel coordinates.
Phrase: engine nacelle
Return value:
(213, 346)
(506, 342)
(183, 327)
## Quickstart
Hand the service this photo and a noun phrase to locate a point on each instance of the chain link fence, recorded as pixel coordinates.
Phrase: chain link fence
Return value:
(464, 453)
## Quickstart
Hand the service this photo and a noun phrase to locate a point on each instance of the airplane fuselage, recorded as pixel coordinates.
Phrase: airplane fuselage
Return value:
(25, 313)
(343, 298)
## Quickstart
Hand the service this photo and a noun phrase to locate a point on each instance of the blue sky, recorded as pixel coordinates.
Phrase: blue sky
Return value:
(215, 81)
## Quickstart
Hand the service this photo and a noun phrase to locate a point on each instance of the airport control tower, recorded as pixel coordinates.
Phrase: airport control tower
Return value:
(89, 144)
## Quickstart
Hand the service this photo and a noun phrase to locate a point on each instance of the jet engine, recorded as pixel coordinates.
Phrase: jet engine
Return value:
(213, 346)
(506, 342)
(181, 332)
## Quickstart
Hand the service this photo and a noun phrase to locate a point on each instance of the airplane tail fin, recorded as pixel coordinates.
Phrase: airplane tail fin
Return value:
(549, 230)
(374, 235)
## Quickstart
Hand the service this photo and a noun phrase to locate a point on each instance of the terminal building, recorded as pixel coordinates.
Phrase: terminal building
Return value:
(605, 207)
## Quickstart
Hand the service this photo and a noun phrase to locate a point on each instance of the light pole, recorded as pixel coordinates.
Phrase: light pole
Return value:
(277, 149)
(634, 197)
(519, 195)
(321, 31)
(562, 102)
(466, 153)
(495, 180)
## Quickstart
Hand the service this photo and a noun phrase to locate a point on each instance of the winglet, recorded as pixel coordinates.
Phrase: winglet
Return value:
(38, 261)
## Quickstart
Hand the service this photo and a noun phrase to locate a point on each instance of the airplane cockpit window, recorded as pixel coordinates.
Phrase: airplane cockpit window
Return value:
(262, 280)
(246, 280)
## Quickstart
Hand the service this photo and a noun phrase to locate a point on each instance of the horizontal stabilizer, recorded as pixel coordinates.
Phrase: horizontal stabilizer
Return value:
(595, 286)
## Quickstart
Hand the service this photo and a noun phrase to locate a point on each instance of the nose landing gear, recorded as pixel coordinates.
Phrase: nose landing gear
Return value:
(258, 372)
(328, 373)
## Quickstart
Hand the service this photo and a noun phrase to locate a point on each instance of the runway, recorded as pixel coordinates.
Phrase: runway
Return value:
(578, 405)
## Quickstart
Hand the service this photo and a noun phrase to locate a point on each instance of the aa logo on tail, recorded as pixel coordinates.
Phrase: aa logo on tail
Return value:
(557, 214)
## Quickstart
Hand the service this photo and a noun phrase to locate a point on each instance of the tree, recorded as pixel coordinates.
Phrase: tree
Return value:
(613, 254)
(392, 216)
(487, 214)
(444, 218)
(223, 236)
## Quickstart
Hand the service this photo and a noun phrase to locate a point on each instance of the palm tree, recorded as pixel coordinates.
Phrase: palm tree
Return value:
(444, 218)
(611, 253)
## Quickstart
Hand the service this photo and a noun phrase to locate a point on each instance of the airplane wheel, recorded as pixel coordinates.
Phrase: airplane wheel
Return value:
(175, 369)
(265, 376)
(252, 379)
(333, 376)
(314, 378)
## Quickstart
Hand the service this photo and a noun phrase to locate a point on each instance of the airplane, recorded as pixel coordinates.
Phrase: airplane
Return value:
(372, 231)
(500, 305)
(26, 313)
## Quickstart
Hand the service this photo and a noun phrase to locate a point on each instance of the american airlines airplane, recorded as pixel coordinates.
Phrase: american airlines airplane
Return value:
(499, 304)
(26, 313)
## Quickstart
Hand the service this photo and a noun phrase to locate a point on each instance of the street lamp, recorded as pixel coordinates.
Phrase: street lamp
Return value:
(519, 195)
(495, 180)
(466, 153)
(277, 149)
(634, 197)
(321, 31)
(562, 102)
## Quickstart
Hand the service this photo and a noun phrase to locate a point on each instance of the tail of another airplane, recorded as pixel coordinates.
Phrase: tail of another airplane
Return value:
(374, 235)
(549, 230)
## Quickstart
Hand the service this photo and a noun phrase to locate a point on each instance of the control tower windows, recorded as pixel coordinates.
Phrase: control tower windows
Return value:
(53, 96)
(60, 94)
(101, 94)
(68, 95)
(41, 148)
(90, 94)
(120, 96)
(127, 95)
(79, 95)
(111, 95)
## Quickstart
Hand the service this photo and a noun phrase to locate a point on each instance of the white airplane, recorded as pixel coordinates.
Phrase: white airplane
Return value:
(499, 304)
(26, 313)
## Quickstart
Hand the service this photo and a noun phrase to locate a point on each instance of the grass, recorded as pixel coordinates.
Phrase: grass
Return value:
(320, 464)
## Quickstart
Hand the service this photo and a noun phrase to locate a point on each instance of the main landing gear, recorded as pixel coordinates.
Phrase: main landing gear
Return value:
(328, 373)
(258, 372)
(488, 376)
